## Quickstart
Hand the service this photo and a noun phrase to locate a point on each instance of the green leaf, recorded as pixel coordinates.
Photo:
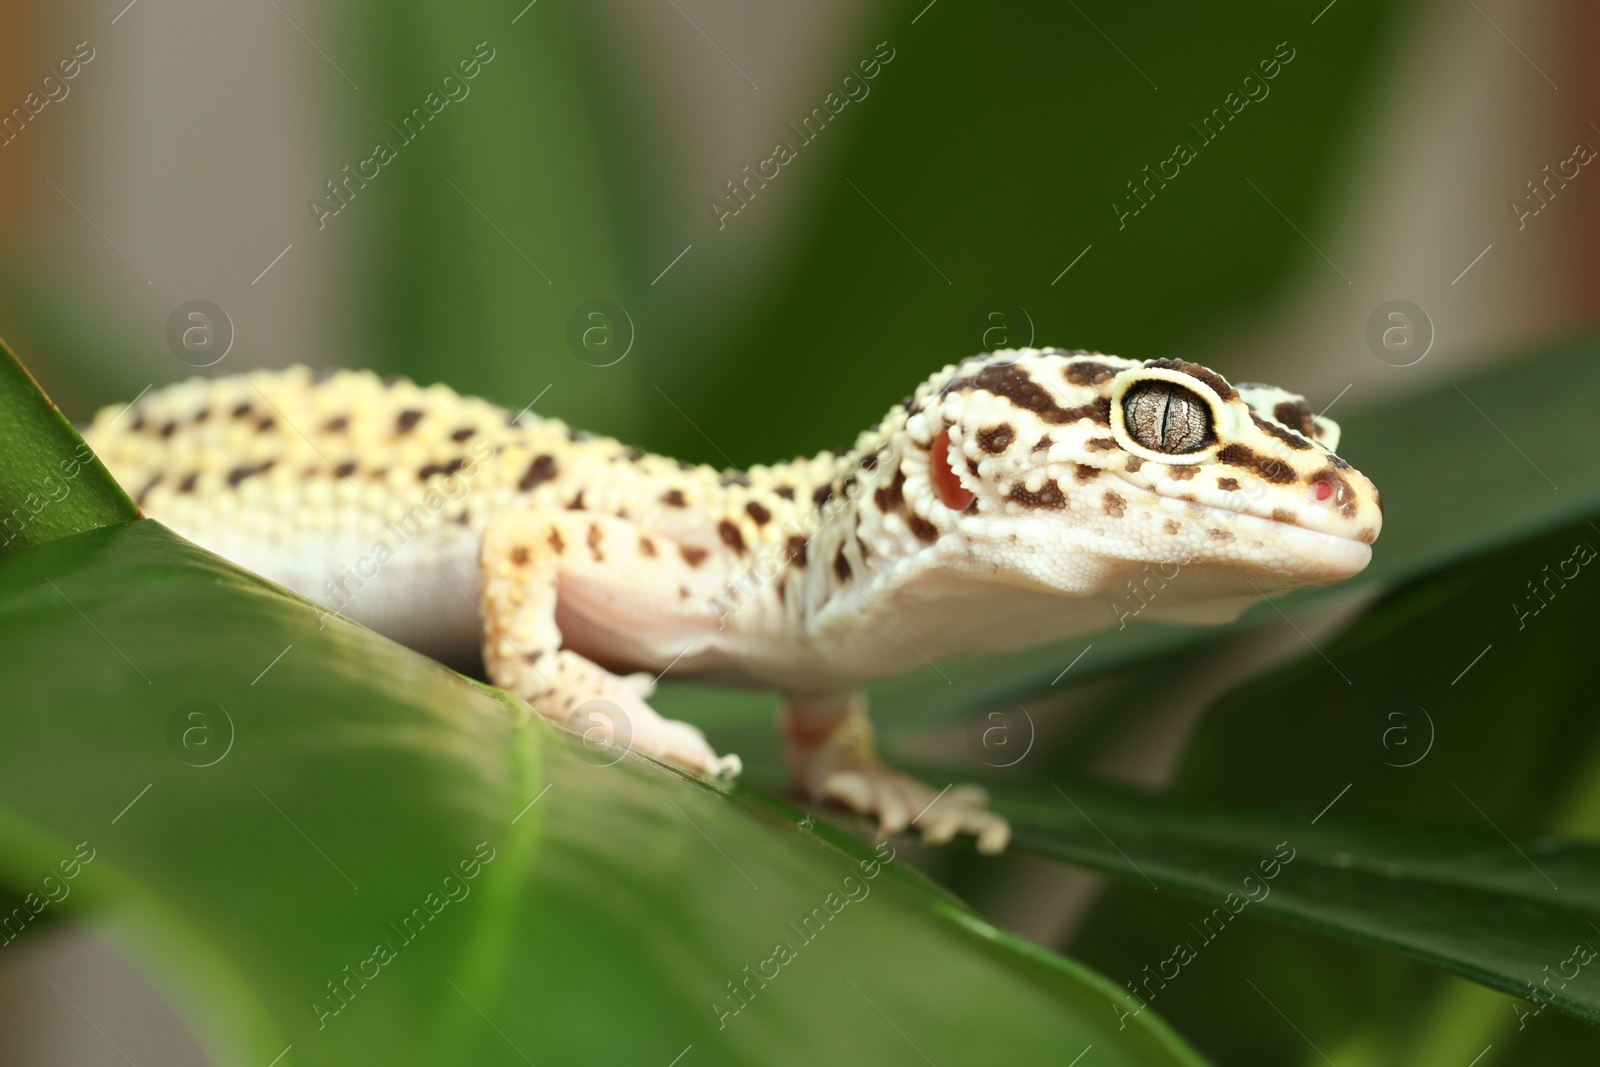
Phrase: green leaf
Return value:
(1471, 902)
(270, 794)
(51, 485)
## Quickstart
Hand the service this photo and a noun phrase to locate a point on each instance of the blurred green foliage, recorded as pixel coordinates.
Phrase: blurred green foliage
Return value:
(997, 140)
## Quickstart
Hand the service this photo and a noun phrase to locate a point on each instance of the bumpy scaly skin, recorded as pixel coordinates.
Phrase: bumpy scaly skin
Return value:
(454, 528)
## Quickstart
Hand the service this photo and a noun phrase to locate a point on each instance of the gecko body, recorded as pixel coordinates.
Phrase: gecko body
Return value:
(1013, 499)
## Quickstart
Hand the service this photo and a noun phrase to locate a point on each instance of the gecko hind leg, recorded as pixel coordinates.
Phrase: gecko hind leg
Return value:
(525, 554)
(831, 755)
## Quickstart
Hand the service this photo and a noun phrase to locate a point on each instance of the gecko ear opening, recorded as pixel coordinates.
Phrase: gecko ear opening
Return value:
(946, 484)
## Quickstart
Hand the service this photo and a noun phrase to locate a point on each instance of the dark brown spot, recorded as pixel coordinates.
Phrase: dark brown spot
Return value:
(1170, 527)
(424, 473)
(1296, 414)
(841, 566)
(541, 470)
(1134, 463)
(337, 424)
(1199, 374)
(683, 592)
(265, 424)
(1081, 473)
(519, 555)
(1293, 440)
(892, 496)
(972, 465)
(407, 420)
(1013, 383)
(463, 519)
(168, 429)
(1048, 496)
(996, 439)
(242, 411)
(1044, 444)
(1101, 444)
(673, 498)
(797, 550)
(1273, 470)
(187, 485)
(556, 543)
(1182, 471)
(1283, 515)
(869, 461)
(239, 474)
(647, 547)
(822, 495)
(594, 543)
(731, 536)
(692, 555)
(138, 423)
(345, 469)
(758, 513)
(1088, 372)
(1367, 535)
(202, 415)
(151, 484)
(462, 434)
(1219, 535)
(922, 529)
(1114, 504)
(1230, 485)
(785, 491)
(576, 503)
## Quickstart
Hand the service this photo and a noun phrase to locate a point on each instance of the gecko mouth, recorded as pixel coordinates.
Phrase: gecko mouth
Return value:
(1311, 555)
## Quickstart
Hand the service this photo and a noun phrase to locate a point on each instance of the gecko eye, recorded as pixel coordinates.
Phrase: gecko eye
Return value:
(946, 485)
(1165, 417)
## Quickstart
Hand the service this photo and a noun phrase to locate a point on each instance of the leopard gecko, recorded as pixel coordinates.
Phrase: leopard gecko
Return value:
(1004, 504)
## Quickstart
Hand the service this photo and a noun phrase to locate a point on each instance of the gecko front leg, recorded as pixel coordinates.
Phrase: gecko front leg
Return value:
(831, 755)
(530, 558)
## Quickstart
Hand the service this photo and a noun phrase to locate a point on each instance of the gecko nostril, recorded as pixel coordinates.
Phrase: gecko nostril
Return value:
(1323, 491)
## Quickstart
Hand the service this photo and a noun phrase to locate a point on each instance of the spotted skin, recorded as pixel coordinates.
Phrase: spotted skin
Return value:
(1004, 504)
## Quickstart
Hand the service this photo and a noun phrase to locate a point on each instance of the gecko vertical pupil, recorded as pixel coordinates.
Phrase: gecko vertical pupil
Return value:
(1165, 417)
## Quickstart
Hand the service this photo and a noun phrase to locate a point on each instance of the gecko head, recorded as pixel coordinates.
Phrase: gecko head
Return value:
(1071, 470)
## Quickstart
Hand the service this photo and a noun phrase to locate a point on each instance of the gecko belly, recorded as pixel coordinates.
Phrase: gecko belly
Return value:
(422, 593)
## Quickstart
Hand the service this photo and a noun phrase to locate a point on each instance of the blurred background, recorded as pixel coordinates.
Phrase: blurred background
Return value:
(738, 232)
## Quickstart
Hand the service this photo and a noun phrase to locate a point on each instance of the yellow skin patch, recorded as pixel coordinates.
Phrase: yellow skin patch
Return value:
(567, 561)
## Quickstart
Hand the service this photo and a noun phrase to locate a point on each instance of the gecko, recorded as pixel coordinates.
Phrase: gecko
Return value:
(1011, 500)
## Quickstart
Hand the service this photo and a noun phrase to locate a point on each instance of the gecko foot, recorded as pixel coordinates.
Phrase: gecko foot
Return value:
(898, 801)
(609, 717)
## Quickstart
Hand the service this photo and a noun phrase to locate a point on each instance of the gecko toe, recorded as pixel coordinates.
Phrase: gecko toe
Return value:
(994, 835)
(894, 813)
(849, 788)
